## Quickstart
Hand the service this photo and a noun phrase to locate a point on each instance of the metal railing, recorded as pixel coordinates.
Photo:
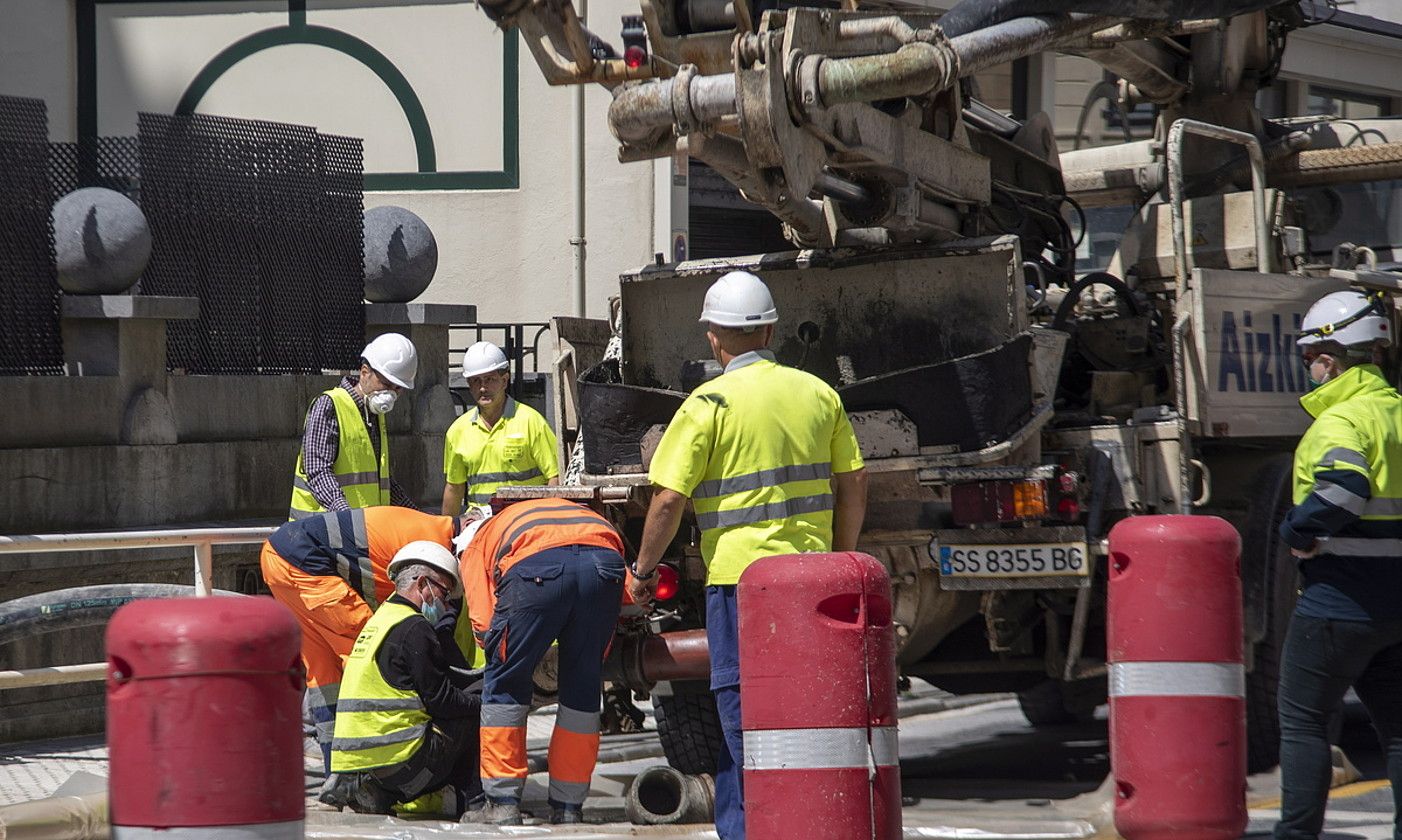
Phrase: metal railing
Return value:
(513, 343)
(200, 540)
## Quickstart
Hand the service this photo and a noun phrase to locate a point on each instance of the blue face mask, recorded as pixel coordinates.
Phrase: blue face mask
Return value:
(433, 611)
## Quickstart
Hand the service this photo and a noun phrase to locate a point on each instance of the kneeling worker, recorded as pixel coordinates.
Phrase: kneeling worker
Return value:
(405, 722)
(546, 569)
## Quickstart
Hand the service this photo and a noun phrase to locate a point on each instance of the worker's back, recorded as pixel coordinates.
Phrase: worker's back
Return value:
(357, 545)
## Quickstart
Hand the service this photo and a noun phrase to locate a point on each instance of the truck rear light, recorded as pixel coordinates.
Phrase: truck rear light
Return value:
(668, 583)
(1068, 509)
(984, 502)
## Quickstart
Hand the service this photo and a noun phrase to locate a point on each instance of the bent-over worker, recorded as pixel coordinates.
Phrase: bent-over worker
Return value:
(406, 723)
(768, 458)
(1345, 529)
(497, 443)
(541, 570)
(344, 461)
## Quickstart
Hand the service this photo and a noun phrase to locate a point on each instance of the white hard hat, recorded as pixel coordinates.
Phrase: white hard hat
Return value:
(1348, 318)
(739, 299)
(483, 357)
(464, 538)
(393, 357)
(429, 553)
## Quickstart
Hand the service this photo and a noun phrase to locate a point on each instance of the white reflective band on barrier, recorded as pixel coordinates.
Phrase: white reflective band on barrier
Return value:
(810, 749)
(261, 831)
(1177, 679)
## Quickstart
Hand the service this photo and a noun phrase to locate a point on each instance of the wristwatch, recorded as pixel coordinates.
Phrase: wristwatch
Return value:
(633, 568)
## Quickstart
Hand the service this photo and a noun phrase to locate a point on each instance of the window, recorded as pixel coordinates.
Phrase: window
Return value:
(1331, 102)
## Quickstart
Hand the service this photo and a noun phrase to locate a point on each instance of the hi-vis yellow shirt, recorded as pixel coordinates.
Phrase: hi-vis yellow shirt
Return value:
(756, 449)
(519, 450)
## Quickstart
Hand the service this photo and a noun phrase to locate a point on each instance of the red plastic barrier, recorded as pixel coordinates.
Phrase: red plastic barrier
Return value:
(204, 719)
(818, 698)
(1177, 685)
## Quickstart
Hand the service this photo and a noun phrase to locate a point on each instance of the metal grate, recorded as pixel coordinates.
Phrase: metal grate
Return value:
(30, 339)
(111, 162)
(262, 222)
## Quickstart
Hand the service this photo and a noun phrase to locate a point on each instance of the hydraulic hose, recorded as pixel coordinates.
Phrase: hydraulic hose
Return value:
(78, 608)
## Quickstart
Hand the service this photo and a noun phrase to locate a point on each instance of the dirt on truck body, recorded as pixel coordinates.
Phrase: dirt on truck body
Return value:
(1011, 406)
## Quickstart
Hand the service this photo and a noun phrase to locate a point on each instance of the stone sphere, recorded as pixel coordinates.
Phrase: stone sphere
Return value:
(101, 242)
(400, 255)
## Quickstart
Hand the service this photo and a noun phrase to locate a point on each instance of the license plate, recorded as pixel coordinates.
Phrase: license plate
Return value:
(1014, 561)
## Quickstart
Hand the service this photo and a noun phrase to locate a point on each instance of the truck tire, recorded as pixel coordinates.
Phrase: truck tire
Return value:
(689, 727)
(1053, 703)
(1263, 550)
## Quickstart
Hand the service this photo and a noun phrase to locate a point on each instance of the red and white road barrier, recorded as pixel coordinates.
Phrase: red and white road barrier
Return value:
(204, 720)
(1177, 683)
(818, 698)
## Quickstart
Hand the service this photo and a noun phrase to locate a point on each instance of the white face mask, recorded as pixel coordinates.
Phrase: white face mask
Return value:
(381, 402)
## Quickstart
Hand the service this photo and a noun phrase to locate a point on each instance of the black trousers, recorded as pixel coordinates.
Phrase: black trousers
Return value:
(447, 757)
(1321, 660)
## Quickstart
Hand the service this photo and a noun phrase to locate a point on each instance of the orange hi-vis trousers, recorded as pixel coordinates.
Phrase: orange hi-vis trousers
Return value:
(331, 615)
(570, 593)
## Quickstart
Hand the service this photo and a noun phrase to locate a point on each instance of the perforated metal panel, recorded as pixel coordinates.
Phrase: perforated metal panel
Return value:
(111, 162)
(30, 341)
(262, 222)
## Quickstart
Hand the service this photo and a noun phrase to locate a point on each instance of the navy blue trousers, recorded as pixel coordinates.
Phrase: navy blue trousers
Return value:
(723, 637)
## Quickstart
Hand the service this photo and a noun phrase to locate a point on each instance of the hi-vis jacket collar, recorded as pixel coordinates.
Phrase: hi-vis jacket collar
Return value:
(749, 358)
(1360, 379)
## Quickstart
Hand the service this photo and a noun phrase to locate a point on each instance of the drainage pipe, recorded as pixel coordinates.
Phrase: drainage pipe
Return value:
(664, 796)
(56, 818)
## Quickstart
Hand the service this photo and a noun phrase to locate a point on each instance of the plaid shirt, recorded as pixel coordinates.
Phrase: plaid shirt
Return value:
(322, 440)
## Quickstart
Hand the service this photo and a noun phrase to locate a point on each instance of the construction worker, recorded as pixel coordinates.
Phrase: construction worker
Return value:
(767, 457)
(344, 461)
(407, 723)
(1345, 529)
(498, 442)
(545, 569)
(331, 571)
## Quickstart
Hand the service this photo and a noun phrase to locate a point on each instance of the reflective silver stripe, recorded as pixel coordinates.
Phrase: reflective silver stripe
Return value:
(481, 498)
(1383, 507)
(333, 531)
(1340, 497)
(260, 831)
(403, 736)
(510, 539)
(362, 541)
(347, 479)
(301, 483)
(498, 477)
(497, 714)
(1177, 679)
(507, 788)
(367, 582)
(297, 514)
(568, 793)
(1344, 456)
(388, 705)
(323, 696)
(573, 720)
(806, 749)
(762, 513)
(762, 478)
(1361, 547)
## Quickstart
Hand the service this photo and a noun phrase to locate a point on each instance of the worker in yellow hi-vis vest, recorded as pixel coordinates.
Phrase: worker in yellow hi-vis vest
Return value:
(497, 443)
(344, 462)
(768, 459)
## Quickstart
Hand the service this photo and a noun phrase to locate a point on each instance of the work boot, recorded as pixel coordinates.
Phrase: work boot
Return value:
(370, 797)
(566, 815)
(494, 813)
(337, 790)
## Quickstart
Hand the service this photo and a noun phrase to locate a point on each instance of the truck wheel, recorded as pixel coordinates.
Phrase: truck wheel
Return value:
(689, 727)
(1055, 703)
(1264, 552)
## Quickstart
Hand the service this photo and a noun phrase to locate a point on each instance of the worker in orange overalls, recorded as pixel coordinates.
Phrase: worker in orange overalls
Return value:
(329, 569)
(540, 570)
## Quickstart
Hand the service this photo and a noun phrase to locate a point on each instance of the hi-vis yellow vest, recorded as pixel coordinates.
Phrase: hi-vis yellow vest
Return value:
(363, 480)
(377, 725)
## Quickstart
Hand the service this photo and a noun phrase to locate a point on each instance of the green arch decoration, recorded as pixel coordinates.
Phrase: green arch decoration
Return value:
(333, 39)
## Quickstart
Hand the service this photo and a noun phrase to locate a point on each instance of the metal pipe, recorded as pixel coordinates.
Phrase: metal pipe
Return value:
(1021, 37)
(841, 189)
(578, 242)
(641, 111)
(53, 675)
(204, 569)
(663, 796)
(639, 662)
(123, 540)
